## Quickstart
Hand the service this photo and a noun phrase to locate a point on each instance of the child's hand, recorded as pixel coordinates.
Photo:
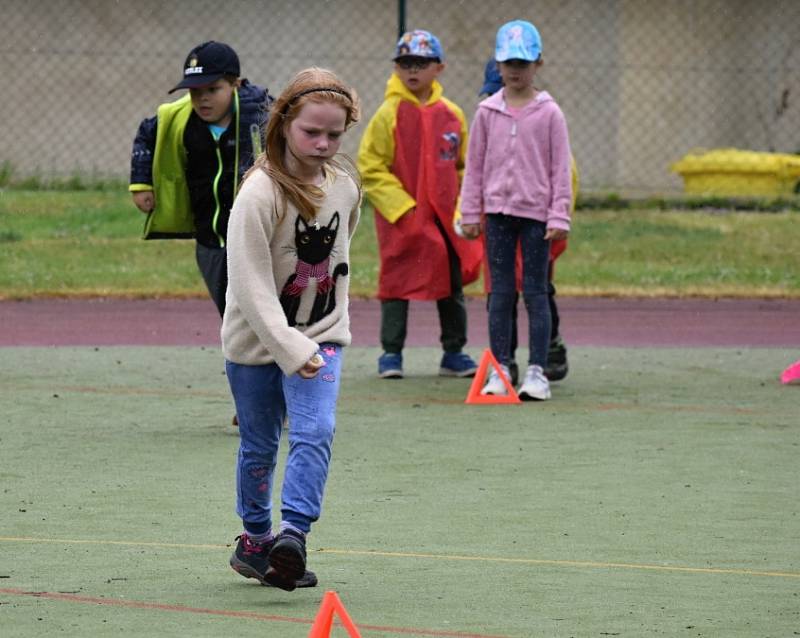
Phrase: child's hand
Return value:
(312, 366)
(145, 201)
(555, 234)
(471, 231)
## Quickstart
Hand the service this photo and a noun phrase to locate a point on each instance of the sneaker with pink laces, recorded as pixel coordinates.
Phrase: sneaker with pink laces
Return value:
(251, 560)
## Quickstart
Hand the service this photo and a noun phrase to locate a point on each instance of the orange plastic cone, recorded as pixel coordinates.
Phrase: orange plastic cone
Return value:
(323, 623)
(791, 374)
(474, 395)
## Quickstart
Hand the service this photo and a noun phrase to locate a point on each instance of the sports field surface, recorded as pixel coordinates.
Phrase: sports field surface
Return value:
(656, 494)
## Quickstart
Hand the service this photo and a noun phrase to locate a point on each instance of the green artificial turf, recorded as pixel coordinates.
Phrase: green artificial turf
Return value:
(88, 243)
(656, 494)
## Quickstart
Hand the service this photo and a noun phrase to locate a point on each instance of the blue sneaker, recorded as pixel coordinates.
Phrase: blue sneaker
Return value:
(457, 364)
(390, 366)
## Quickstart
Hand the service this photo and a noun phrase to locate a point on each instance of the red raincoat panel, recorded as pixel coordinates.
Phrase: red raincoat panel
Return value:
(428, 161)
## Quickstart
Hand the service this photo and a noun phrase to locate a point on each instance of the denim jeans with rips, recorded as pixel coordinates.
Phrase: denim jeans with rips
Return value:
(264, 398)
(503, 232)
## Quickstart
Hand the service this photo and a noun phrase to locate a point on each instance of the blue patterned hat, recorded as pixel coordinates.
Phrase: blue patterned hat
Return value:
(420, 44)
(518, 40)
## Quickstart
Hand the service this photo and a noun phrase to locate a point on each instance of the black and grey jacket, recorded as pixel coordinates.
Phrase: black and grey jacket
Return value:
(213, 168)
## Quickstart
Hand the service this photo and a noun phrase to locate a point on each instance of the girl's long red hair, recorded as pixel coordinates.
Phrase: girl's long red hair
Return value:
(307, 86)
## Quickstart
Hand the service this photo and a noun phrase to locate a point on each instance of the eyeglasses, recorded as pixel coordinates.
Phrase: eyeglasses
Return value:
(414, 64)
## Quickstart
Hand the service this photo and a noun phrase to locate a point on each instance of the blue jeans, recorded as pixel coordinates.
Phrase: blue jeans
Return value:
(264, 397)
(502, 234)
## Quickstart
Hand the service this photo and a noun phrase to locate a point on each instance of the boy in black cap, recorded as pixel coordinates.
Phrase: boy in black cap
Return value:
(188, 160)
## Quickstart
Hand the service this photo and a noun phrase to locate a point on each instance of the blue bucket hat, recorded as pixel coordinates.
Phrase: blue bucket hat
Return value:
(492, 81)
(518, 40)
(420, 44)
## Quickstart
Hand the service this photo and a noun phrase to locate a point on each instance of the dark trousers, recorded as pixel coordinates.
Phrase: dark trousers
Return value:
(554, 318)
(213, 265)
(503, 232)
(452, 314)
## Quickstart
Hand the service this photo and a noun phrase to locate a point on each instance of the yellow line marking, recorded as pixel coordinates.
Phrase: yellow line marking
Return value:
(454, 557)
(76, 541)
(567, 563)
(117, 390)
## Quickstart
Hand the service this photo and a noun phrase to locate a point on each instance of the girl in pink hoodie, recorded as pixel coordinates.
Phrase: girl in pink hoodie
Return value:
(518, 183)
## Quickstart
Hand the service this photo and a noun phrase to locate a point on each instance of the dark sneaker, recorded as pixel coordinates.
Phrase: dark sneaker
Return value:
(457, 364)
(513, 371)
(251, 560)
(557, 366)
(390, 366)
(287, 560)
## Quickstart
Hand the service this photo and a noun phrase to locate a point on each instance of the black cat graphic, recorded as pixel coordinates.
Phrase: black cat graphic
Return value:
(313, 244)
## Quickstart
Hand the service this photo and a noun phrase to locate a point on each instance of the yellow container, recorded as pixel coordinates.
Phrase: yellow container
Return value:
(730, 172)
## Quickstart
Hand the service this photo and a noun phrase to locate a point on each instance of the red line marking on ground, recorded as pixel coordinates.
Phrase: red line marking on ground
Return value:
(138, 604)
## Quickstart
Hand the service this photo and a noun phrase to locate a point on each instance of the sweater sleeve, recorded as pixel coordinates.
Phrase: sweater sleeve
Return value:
(251, 281)
(558, 213)
(472, 184)
(375, 159)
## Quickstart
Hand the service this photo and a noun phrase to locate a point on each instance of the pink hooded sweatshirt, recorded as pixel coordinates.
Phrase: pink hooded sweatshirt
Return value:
(518, 166)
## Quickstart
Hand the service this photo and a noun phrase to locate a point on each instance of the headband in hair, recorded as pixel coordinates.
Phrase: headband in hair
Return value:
(316, 89)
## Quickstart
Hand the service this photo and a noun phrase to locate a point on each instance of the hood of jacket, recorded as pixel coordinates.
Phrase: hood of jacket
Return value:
(253, 94)
(395, 89)
(497, 102)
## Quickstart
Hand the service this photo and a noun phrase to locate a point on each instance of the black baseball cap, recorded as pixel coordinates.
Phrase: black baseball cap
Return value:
(206, 64)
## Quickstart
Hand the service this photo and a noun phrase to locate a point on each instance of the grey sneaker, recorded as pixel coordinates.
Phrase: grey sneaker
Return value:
(494, 384)
(535, 386)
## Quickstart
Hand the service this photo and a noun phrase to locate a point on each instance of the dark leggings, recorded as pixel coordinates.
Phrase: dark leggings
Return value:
(503, 232)
(555, 320)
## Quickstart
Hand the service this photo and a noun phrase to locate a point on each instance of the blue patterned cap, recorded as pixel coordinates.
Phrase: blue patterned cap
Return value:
(419, 43)
(518, 40)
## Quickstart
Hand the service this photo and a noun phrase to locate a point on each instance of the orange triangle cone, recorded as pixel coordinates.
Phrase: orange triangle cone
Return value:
(791, 374)
(474, 395)
(323, 623)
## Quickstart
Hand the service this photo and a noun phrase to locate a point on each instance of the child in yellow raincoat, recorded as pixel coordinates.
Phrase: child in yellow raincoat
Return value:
(411, 160)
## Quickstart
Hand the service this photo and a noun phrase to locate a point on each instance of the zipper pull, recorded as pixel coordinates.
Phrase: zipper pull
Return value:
(514, 128)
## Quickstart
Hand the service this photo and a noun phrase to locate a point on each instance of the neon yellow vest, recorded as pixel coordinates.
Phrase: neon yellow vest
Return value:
(172, 216)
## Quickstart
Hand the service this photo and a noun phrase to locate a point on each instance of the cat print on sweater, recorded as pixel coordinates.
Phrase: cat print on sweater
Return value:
(314, 245)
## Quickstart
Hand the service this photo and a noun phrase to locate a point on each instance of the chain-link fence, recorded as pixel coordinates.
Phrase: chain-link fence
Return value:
(642, 82)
